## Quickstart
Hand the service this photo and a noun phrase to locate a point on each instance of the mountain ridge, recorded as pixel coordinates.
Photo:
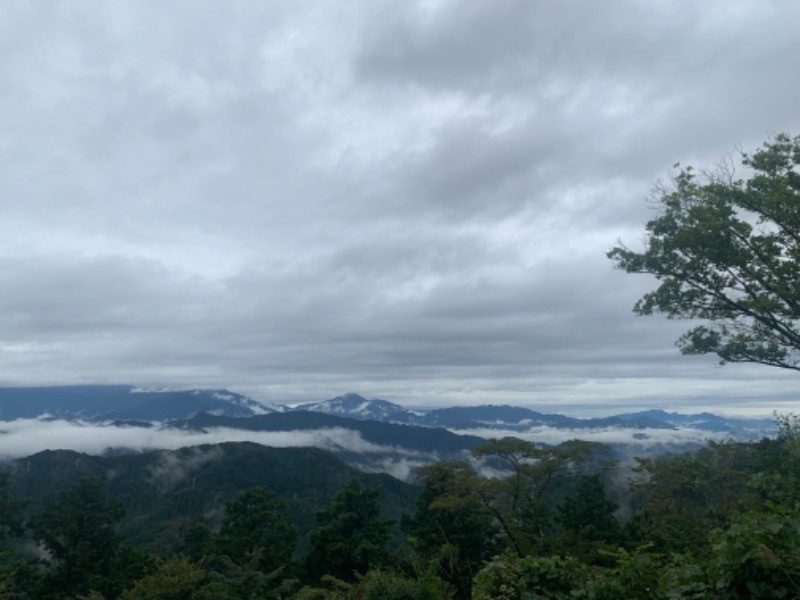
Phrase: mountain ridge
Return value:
(122, 403)
(165, 492)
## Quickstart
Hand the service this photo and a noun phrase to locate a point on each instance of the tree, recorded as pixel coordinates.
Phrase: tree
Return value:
(256, 530)
(587, 520)
(521, 499)
(727, 251)
(11, 522)
(13, 569)
(252, 552)
(352, 536)
(680, 498)
(79, 534)
(450, 532)
(775, 476)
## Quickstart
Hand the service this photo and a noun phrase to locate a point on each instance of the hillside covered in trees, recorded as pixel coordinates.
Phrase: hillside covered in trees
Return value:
(238, 520)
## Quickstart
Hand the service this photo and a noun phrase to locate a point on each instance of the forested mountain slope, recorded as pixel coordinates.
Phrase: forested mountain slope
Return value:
(164, 492)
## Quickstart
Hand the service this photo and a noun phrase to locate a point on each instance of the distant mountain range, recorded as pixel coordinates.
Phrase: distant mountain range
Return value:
(126, 403)
(120, 402)
(514, 418)
(371, 435)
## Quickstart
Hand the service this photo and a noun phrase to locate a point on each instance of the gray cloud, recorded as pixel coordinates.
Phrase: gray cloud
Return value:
(414, 202)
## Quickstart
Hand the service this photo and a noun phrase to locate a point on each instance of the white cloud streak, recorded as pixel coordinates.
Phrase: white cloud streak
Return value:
(24, 437)
(636, 438)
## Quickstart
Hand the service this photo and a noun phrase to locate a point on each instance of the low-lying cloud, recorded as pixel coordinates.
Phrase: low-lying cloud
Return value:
(24, 437)
(172, 469)
(637, 438)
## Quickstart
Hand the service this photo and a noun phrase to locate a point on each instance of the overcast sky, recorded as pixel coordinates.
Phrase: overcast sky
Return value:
(408, 200)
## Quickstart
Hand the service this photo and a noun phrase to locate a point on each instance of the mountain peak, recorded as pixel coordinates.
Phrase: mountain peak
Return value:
(349, 398)
(355, 406)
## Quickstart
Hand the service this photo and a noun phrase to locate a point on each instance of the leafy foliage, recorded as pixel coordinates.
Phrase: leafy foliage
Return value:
(388, 585)
(728, 251)
(537, 578)
(758, 556)
(174, 579)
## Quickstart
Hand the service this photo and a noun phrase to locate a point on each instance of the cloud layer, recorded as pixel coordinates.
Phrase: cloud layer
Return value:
(24, 437)
(409, 200)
